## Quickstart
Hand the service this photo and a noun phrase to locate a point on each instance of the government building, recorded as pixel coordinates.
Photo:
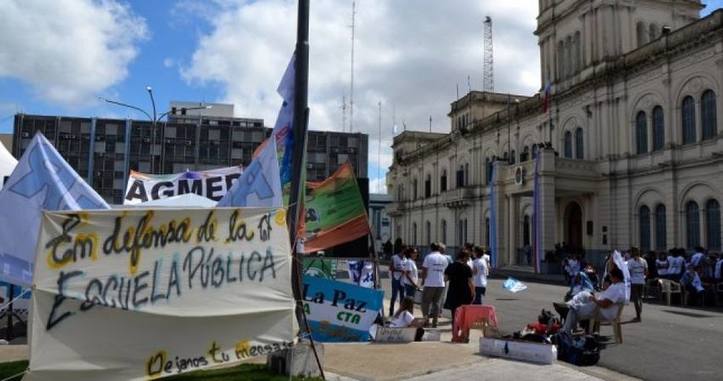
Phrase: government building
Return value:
(630, 149)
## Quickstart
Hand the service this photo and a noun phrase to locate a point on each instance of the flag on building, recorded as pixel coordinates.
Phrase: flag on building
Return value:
(547, 98)
(334, 211)
(259, 184)
(42, 180)
(537, 216)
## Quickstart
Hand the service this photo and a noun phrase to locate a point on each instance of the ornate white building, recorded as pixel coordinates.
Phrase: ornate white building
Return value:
(635, 153)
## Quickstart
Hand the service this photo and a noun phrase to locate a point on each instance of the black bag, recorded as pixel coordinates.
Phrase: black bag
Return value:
(577, 350)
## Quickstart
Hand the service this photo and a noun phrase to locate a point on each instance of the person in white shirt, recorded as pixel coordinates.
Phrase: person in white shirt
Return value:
(433, 279)
(480, 270)
(697, 256)
(573, 267)
(410, 276)
(638, 268)
(585, 304)
(662, 264)
(396, 269)
(676, 265)
(693, 285)
(404, 318)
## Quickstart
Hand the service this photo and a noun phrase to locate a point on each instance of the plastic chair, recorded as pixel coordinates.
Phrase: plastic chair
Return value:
(470, 316)
(668, 288)
(615, 323)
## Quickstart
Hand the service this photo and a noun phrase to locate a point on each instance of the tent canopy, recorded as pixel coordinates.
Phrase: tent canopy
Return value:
(7, 164)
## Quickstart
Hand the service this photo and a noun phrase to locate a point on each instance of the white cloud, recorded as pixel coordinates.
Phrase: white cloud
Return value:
(169, 62)
(68, 50)
(408, 53)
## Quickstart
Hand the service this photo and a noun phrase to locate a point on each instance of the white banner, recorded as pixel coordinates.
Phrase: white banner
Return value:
(142, 294)
(212, 184)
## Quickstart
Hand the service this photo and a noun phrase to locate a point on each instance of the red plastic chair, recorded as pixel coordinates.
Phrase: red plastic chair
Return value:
(468, 316)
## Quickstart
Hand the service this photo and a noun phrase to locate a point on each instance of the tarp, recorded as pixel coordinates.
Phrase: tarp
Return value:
(42, 180)
(185, 200)
(7, 164)
(139, 294)
(339, 311)
(212, 184)
(335, 211)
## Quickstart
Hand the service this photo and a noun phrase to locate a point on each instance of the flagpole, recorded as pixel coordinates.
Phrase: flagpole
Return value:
(299, 129)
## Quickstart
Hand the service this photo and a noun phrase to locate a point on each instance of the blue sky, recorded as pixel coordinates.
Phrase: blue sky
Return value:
(235, 51)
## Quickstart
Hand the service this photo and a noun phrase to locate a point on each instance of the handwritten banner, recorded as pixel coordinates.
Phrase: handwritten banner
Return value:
(212, 184)
(340, 311)
(143, 294)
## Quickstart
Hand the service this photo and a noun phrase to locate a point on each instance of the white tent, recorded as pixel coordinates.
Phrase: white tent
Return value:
(189, 200)
(7, 164)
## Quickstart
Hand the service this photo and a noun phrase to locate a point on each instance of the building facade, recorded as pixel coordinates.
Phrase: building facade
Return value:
(630, 150)
(379, 219)
(105, 150)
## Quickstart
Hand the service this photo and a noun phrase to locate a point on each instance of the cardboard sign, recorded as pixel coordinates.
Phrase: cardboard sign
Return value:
(212, 184)
(142, 294)
(340, 311)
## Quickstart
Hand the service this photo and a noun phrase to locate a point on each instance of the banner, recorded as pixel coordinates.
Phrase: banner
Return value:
(335, 211)
(142, 294)
(212, 184)
(259, 185)
(320, 267)
(41, 180)
(339, 312)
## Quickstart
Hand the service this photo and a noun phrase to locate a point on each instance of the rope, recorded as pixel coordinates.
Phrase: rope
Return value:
(6, 305)
(14, 375)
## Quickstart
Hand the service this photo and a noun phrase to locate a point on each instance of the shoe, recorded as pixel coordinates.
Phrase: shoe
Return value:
(637, 320)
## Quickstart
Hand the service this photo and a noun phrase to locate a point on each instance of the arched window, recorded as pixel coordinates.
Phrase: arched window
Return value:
(687, 111)
(579, 144)
(692, 220)
(644, 225)
(525, 154)
(414, 234)
(653, 32)
(535, 150)
(707, 114)
(443, 181)
(444, 230)
(661, 236)
(641, 34)
(568, 145)
(641, 133)
(513, 157)
(526, 230)
(658, 129)
(428, 232)
(712, 216)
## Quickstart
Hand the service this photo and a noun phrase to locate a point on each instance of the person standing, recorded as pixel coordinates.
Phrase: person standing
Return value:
(480, 272)
(461, 289)
(433, 269)
(638, 269)
(396, 269)
(410, 277)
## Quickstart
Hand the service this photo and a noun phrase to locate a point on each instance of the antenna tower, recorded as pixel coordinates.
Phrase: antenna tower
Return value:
(351, 90)
(488, 74)
(343, 113)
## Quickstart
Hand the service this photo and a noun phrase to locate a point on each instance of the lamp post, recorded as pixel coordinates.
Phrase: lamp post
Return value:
(154, 119)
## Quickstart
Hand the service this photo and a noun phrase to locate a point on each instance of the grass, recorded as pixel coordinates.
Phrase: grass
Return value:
(243, 372)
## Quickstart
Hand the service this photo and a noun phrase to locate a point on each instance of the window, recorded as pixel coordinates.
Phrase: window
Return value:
(658, 129)
(428, 232)
(428, 186)
(660, 228)
(443, 181)
(712, 216)
(644, 225)
(489, 165)
(707, 114)
(692, 219)
(444, 230)
(579, 144)
(535, 149)
(513, 156)
(415, 186)
(688, 115)
(568, 145)
(641, 133)
(526, 230)
(525, 154)
(460, 177)
(578, 52)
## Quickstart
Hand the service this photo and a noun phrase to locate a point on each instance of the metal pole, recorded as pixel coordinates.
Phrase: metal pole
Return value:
(153, 131)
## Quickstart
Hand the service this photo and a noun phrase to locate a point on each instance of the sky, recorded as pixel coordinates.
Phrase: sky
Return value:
(58, 56)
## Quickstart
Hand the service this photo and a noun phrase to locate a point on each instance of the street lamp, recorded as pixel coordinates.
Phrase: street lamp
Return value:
(153, 119)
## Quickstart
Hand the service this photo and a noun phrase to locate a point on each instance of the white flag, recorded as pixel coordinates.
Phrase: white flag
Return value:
(260, 184)
(41, 180)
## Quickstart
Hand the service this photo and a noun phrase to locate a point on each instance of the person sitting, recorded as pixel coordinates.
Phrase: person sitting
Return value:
(404, 318)
(586, 305)
(676, 265)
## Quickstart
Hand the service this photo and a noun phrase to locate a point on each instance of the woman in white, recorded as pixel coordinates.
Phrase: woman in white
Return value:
(404, 318)
(410, 276)
(480, 271)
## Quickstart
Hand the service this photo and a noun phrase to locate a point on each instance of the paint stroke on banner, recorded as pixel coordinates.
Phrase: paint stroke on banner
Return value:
(181, 289)
(340, 312)
(212, 184)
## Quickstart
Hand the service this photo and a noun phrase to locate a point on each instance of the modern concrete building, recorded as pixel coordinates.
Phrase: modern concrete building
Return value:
(632, 150)
(105, 150)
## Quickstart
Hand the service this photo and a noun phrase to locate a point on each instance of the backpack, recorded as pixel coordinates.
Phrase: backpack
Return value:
(577, 350)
